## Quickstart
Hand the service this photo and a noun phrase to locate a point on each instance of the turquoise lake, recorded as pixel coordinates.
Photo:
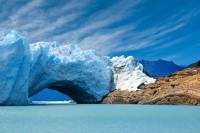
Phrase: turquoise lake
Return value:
(100, 118)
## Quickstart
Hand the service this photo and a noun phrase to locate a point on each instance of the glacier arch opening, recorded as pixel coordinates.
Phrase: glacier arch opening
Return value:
(50, 95)
(74, 91)
(70, 89)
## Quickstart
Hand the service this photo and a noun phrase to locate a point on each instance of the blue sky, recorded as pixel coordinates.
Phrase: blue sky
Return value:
(146, 29)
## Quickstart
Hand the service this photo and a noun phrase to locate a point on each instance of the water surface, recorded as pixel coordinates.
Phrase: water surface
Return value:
(100, 119)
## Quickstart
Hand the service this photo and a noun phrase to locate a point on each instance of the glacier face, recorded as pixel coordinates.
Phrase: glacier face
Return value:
(26, 69)
(128, 73)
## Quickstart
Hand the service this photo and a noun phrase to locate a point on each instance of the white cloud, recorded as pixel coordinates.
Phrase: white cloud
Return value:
(154, 35)
(100, 20)
(67, 22)
(171, 57)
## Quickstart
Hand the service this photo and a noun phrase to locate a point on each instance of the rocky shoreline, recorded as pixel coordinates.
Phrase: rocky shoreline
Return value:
(182, 87)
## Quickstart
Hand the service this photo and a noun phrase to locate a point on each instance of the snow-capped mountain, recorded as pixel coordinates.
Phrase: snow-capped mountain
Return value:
(160, 67)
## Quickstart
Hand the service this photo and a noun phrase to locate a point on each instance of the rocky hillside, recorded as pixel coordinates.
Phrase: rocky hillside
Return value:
(182, 87)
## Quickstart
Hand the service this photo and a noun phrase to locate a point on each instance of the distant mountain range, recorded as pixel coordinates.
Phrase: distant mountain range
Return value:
(160, 68)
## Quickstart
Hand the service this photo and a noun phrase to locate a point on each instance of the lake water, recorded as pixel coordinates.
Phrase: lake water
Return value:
(100, 119)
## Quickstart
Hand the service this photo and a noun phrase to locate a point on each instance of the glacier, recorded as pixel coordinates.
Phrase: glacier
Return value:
(128, 73)
(26, 69)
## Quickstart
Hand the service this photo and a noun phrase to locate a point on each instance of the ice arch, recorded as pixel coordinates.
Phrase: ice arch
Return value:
(26, 69)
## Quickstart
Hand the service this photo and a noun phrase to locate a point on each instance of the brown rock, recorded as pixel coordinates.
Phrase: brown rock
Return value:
(182, 87)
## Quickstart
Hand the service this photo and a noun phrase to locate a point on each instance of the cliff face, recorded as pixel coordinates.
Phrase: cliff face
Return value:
(182, 87)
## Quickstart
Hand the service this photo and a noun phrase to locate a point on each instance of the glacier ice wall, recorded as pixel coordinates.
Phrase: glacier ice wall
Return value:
(14, 69)
(26, 69)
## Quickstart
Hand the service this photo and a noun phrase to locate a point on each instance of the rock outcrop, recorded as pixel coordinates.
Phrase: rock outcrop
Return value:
(182, 87)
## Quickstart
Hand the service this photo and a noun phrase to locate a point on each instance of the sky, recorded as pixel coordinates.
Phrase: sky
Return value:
(145, 29)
